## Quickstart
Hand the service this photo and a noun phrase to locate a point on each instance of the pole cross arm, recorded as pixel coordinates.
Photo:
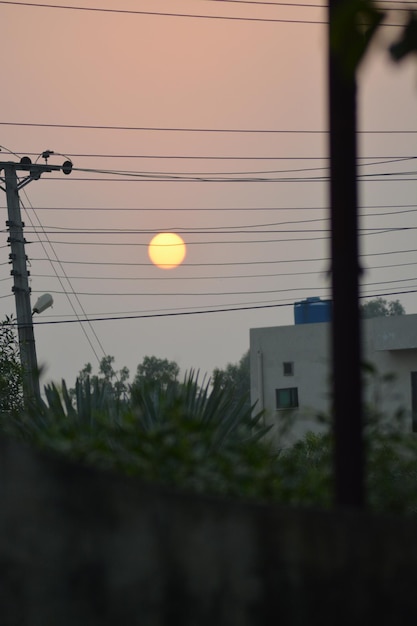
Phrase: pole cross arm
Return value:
(37, 169)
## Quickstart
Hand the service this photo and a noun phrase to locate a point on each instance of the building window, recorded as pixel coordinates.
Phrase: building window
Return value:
(288, 368)
(286, 398)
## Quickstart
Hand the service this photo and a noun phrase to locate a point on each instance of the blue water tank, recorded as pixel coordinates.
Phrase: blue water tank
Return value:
(312, 310)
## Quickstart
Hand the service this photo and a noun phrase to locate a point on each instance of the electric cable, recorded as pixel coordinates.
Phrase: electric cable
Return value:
(190, 157)
(218, 277)
(220, 230)
(176, 278)
(83, 209)
(208, 229)
(240, 172)
(207, 311)
(308, 5)
(207, 294)
(225, 263)
(69, 283)
(180, 15)
(283, 131)
(160, 13)
(246, 292)
(230, 242)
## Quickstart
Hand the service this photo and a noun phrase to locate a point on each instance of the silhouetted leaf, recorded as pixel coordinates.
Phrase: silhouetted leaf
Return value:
(407, 43)
(353, 24)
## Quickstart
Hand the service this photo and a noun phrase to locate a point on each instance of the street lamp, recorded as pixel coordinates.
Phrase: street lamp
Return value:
(42, 303)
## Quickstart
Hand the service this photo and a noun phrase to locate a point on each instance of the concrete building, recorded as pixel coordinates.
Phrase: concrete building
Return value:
(290, 370)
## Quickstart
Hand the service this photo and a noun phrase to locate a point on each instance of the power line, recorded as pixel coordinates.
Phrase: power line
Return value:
(277, 4)
(239, 242)
(212, 157)
(202, 312)
(214, 176)
(189, 308)
(407, 207)
(187, 294)
(201, 130)
(202, 308)
(251, 229)
(70, 285)
(230, 230)
(223, 264)
(227, 263)
(171, 314)
(182, 15)
(218, 181)
(176, 278)
(314, 6)
(214, 229)
(259, 176)
(210, 230)
(199, 243)
(206, 173)
(245, 292)
(171, 278)
(163, 14)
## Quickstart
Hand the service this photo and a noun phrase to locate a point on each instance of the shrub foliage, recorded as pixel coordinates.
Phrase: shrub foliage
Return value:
(202, 438)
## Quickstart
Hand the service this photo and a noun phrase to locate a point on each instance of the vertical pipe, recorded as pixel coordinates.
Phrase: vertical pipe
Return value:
(260, 365)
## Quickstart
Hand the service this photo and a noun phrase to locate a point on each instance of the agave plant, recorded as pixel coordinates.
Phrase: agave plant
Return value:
(196, 437)
(209, 408)
(63, 422)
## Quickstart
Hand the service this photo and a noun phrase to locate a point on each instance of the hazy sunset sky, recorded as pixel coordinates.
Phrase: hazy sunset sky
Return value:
(252, 207)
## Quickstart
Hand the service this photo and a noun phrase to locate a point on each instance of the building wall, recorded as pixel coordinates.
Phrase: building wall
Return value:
(389, 344)
(304, 345)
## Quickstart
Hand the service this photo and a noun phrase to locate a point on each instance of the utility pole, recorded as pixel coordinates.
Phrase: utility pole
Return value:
(18, 260)
(346, 339)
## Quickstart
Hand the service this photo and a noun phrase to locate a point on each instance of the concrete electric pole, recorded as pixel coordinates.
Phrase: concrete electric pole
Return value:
(18, 260)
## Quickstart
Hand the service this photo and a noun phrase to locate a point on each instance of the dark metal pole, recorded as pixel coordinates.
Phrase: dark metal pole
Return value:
(347, 392)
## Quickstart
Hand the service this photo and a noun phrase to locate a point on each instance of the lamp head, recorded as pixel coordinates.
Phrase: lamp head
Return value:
(43, 302)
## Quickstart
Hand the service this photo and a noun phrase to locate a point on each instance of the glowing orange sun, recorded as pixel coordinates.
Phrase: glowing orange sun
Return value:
(167, 250)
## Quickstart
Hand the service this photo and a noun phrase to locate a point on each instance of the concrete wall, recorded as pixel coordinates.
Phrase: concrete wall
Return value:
(86, 548)
(389, 343)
